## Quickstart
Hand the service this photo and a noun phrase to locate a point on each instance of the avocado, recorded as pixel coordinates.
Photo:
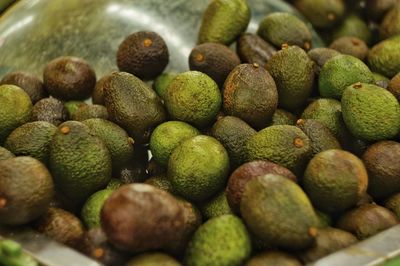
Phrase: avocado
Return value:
(273, 257)
(251, 49)
(370, 112)
(223, 21)
(215, 206)
(69, 78)
(222, 240)
(50, 110)
(233, 133)
(382, 162)
(90, 111)
(143, 54)
(11, 117)
(79, 161)
(382, 81)
(161, 182)
(278, 211)
(198, 168)
(133, 171)
(320, 135)
(152, 259)
(283, 144)
(322, 14)
(90, 212)
(351, 46)
(394, 86)
(5, 154)
(342, 71)
(283, 117)
(193, 97)
(167, 136)
(384, 57)
(133, 105)
(250, 93)
(353, 26)
(72, 107)
(376, 9)
(393, 204)
(293, 72)
(248, 171)
(390, 25)
(280, 28)
(26, 189)
(98, 93)
(335, 180)
(367, 220)
(61, 226)
(140, 217)
(162, 82)
(32, 139)
(11, 253)
(328, 241)
(32, 85)
(320, 56)
(119, 144)
(214, 59)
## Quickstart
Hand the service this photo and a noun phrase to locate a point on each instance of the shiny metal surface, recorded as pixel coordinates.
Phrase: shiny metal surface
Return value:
(33, 32)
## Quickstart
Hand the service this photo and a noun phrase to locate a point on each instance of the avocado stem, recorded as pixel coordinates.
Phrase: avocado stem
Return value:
(357, 85)
(98, 253)
(147, 42)
(3, 202)
(131, 140)
(300, 122)
(65, 130)
(285, 46)
(199, 57)
(298, 142)
(313, 232)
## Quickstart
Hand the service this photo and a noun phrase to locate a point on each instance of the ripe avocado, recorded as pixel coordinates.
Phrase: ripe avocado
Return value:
(98, 94)
(152, 259)
(251, 49)
(272, 257)
(390, 25)
(90, 111)
(320, 56)
(351, 46)
(215, 206)
(50, 110)
(394, 86)
(393, 204)
(384, 57)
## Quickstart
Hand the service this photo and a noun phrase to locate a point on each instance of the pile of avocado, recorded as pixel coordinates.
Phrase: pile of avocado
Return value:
(277, 153)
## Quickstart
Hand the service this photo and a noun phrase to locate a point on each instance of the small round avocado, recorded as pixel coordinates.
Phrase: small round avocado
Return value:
(50, 110)
(353, 26)
(28, 82)
(90, 111)
(384, 57)
(162, 82)
(273, 258)
(90, 212)
(143, 54)
(351, 46)
(394, 86)
(5, 154)
(69, 78)
(393, 204)
(320, 56)
(251, 49)
(214, 59)
(153, 259)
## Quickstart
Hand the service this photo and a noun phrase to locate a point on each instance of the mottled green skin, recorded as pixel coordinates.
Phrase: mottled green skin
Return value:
(342, 71)
(153, 259)
(32, 139)
(384, 57)
(5, 154)
(390, 25)
(198, 168)
(233, 133)
(80, 162)
(167, 136)
(278, 211)
(318, 11)
(353, 26)
(335, 180)
(72, 107)
(162, 82)
(273, 258)
(320, 135)
(371, 113)
(222, 241)
(293, 72)
(115, 183)
(282, 117)
(161, 182)
(393, 204)
(216, 206)
(114, 137)
(90, 111)
(90, 213)
(133, 105)
(11, 117)
(379, 77)
(276, 144)
(284, 28)
(193, 97)
(223, 21)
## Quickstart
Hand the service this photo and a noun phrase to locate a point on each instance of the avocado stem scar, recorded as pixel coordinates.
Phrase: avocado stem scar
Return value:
(307, 45)
(255, 65)
(3, 202)
(199, 57)
(313, 232)
(298, 142)
(300, 122)
(98, 253)
(357, 85)
(285, 46)
(147, 42)
(65, 130)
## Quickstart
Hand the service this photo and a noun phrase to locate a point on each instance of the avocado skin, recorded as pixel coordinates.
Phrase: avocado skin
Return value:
(152, 259)
(5, 154)
(384, 57)
(90, 111)
(320, 56)
(251, 49)
(50, 110)
(273, 257)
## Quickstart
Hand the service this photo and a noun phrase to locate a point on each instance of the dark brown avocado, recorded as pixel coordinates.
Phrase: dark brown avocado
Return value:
(50, 110)
(251, 48)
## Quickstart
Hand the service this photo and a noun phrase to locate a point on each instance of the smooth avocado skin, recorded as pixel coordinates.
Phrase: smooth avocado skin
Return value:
(198, 168)
(251, 49)
(90, 212)
(79, 162)
(216, 206)
(293, 72)
(11, 117)
(278, 211)
(223, 240)
(223, 21)
(370, 112)
(384, 57)
(133, 105)
(152, 259)
(162, 82)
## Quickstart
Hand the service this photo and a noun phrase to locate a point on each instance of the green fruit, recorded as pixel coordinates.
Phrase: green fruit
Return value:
(223, 21)
(114, 184)
(26, 189)
(91, 209)
(233, 133)
(32, 139)
(11, 254)
(279, 212)
(162, 82)
(353, 26)
(90, 111)
(193, 85)
(384, 57)
(282, 117)
(167, 136)
(276, 258)
(11, 117)
(250, 93)
(5, 154)
(370, 112)
(216, 206)
(280, 28)
(351, 46)
(161, 182)
(390, 25)
(335, 180)
(320, 56)
(153, 259)
(393, 204)
(293, 72)
(222, 240)
(73, 106)
(342, 71)
(133, 105)
(198, 167)
(283, 144)
(80, 162)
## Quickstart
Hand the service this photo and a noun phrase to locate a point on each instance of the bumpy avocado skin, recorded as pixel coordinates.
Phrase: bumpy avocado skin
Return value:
(384, 57)
(273, 257)
(216, 206)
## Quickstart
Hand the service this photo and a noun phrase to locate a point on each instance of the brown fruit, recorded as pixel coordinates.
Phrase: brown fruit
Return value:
(50, 110)
(394, 86)
(97, 95)
(253, 49)
(351, 46)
